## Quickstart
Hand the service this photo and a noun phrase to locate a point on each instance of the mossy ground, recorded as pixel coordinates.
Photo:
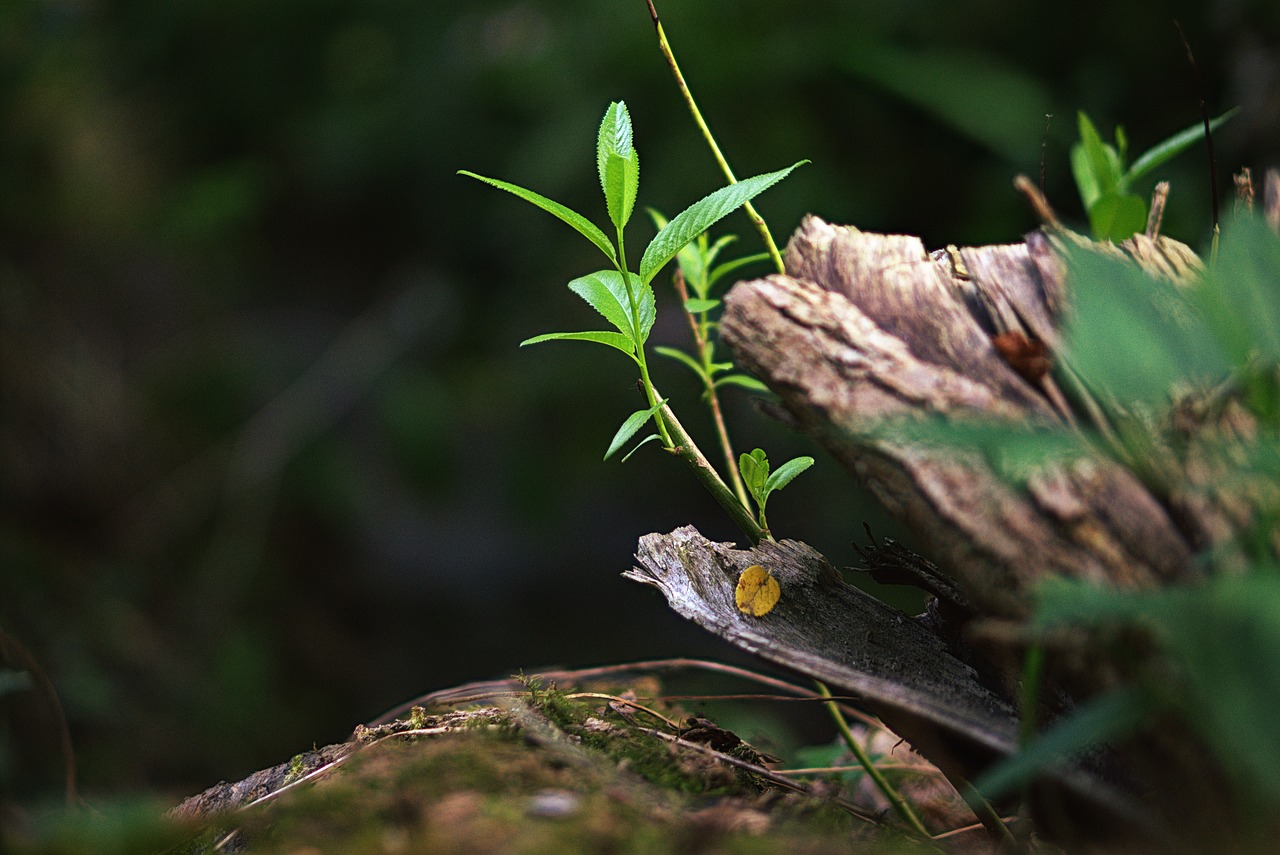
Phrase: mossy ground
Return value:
(547, 773)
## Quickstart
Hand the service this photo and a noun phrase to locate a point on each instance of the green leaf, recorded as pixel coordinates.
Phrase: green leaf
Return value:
(700, 216)
(1160, 153)
(754, 468)
(1115, 218)
(1095, 164)
(1240, 294)
(650, 438)
(618, 163)
(584, 226)
(606, 292)
(744, 381)
(613, 339)
(1098, 721)
(634, 422)
(1133, 334)
(784, 474)
(681, 356)
(695, 306)
(728, 267)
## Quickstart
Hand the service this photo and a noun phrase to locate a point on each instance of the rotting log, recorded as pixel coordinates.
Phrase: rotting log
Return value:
(866, 333)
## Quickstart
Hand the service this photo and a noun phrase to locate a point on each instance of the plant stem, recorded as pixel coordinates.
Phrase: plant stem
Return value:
(756, 219)
(713, 399)
(895, 798)
(687, 450)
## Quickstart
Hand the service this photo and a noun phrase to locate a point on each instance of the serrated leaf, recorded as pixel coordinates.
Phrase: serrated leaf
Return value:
(634, 422)
(1115, 218)
(606, 292)
(1133, 334)
(618, 163)
(681, 356)
(784, 474)
(567, 215)
(744, 381)
(613, 339)
(695, 306)
(700, 216)
(754, 468)
(1162, 152)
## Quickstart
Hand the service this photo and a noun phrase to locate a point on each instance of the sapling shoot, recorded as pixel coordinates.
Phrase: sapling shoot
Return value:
(625, 299)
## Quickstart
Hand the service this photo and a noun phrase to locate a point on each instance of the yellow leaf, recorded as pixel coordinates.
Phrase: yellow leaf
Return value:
(757, 592)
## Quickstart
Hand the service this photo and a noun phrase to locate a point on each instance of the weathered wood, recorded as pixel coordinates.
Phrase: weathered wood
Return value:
(867, 331)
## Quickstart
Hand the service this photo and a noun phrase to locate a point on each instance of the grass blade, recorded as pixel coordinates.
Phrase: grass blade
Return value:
(1172, 147)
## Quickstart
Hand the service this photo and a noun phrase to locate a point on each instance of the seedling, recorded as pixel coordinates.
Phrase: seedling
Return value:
(626, 300)
(1105, 181)
(761, 482)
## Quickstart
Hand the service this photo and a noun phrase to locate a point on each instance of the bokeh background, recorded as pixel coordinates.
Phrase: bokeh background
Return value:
(272, 461)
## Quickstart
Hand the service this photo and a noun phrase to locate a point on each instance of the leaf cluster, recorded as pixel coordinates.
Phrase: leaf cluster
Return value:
(1105, 179)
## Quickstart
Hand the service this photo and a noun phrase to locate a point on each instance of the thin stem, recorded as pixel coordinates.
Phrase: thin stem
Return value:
(895, 798)
(687, 450)
(756, 219)
(713, 399)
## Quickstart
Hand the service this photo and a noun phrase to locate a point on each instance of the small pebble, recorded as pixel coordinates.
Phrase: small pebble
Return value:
(554, 804)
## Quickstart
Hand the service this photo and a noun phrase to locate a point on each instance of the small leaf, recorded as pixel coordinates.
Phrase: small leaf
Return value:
(693, 307)
(700, 216)
(618, 163)
(754, 468)
(613, 339)
(681, 356)
(785, 473)
(584, 226)
(634, 422)
(1095, 165)
(744, 381)
(608, 295)
(1158, 154)
(1115, 218)
(650, 438)
(729, 266)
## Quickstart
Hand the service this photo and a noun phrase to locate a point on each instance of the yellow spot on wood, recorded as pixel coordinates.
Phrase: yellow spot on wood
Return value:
(757, 592)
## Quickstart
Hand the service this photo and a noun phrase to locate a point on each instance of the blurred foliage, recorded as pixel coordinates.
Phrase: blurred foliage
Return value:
(271, 459)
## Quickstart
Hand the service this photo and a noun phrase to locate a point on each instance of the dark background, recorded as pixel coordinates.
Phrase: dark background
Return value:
(272, 461)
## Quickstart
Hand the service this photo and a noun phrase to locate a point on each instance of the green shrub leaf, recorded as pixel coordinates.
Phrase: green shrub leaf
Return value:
(607, 293)
(700, 216)
(584, 226)
(681, 356)
(618, 163)
(785, 473)
(754, 468)
(634, 422)
(613, 339)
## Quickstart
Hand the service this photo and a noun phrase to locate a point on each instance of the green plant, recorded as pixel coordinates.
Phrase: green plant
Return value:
(1157, 357)
(626, 299)
(1105, 179)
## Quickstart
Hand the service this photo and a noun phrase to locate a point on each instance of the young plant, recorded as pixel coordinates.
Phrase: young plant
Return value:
(696, 272)
(1105, 181)
(625, 299)
(761, 482)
